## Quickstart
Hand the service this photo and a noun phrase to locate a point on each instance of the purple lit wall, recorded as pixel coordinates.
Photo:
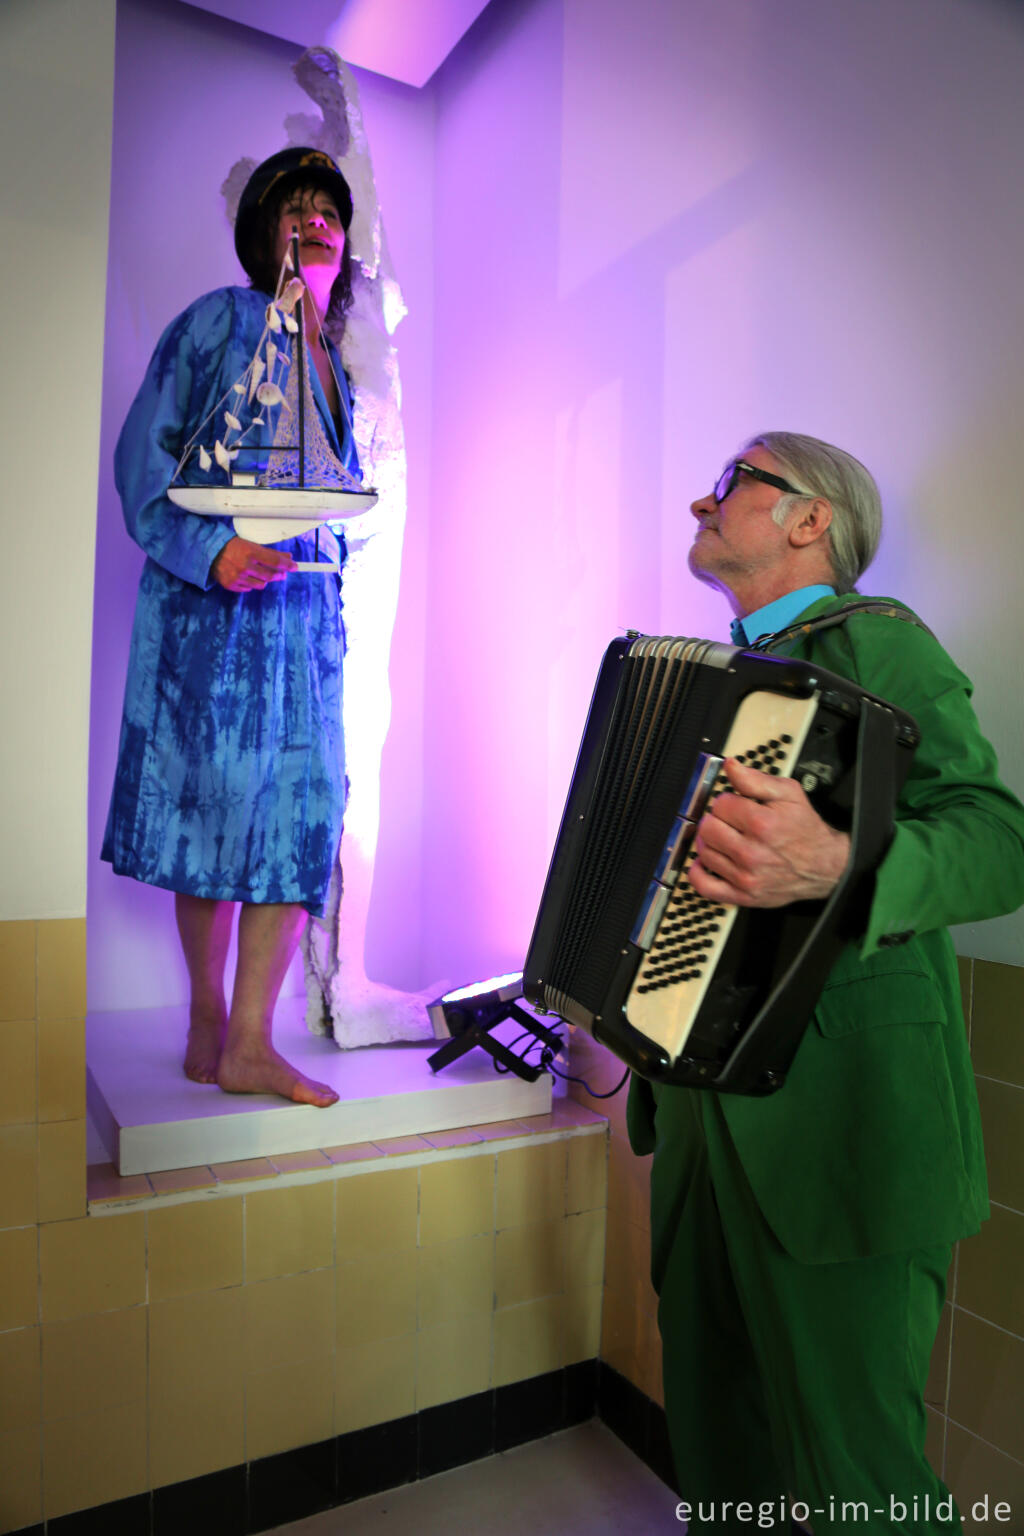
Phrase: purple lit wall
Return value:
(661, 227)
(628, 237)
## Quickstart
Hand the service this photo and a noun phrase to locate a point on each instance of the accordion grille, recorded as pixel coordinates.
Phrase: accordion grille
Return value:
(655, 720)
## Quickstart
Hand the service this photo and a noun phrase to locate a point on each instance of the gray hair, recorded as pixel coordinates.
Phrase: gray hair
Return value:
(848, 487)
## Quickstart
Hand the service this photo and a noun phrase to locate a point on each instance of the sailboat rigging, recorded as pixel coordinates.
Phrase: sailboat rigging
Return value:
(283, 475)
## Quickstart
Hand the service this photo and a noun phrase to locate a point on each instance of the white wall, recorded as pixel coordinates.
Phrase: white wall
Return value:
(56, 79)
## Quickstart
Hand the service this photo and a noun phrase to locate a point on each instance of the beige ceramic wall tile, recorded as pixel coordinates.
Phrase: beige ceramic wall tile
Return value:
(289, 1230)
(289, 1320)
(584, 1250)
(627, 1257)
(195, 1247)
(20, 1380)
(650, 1379)
(935, 1439)
(586, 1186)
(980, 1478)
(965, 972)
(1002, 1117)
(938, 1375)
(19, 1277)
(376, 1297)
(986, 1392)
(529, 1261)
(453, 1361)
(997, 1036)
(21, 1501)
(196, 1385)
(172, 1181)
(62, 1069)
(17, 971)
(94, 1362)
(374, 1383)
(19, 1163)
(289, 1406)
(376, 1211)
(62, 1178)
(531, 1184)
(528, 1340)
(60, 959)
(582, 1318)
(622, 1331)
(17, 1073)
(94, 1458)
(629, 1185)
(991, 1272)
(92, 1265)
(456, 1198)
(455, 1279)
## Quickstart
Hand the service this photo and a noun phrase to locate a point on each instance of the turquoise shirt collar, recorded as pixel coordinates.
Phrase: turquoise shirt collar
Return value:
(777, 615)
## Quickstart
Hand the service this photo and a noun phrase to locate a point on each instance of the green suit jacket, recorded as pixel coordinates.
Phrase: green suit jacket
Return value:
(874, 1143)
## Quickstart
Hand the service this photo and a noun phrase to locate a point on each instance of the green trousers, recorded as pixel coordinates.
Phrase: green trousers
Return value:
(785, 1381)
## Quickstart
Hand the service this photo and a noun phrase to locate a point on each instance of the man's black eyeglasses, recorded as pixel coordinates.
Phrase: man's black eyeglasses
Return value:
(726, 482)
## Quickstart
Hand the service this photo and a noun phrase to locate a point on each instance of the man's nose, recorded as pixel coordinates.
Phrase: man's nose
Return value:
(704, 507)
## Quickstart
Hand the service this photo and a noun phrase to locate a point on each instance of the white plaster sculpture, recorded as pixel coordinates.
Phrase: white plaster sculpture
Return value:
(341, 999)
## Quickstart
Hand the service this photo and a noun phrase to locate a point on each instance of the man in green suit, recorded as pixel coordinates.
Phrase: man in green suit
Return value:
(800, 1242)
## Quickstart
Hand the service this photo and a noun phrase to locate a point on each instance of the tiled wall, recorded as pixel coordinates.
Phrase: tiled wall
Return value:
(145, 1347)
(976, 1389)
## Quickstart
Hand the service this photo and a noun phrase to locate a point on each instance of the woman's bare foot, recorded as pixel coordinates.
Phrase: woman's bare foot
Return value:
(205, 1042)
(266, 1071)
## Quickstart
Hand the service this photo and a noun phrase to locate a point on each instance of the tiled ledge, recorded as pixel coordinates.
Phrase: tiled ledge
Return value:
(109, 1194)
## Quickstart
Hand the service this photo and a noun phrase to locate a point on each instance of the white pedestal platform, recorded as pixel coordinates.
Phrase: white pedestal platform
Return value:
(151, 1117)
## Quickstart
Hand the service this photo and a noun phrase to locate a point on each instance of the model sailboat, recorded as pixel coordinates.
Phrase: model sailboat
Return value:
(266, 436)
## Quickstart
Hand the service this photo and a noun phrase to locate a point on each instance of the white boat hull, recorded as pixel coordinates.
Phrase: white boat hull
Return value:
(266, 516)
(312, 506)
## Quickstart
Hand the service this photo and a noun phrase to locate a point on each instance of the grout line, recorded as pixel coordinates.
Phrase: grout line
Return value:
(1008, 1332)
(990, 1443)
(1001, 1205)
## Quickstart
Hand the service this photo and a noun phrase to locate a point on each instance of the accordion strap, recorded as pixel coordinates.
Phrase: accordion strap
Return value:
(827, 620)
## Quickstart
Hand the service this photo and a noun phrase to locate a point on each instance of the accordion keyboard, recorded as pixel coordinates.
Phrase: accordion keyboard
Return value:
(683, 934)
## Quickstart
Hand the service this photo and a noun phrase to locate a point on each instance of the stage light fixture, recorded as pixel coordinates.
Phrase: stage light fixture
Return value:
(465, 1018)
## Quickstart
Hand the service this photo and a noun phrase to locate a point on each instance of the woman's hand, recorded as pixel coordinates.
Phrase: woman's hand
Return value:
(243, 566)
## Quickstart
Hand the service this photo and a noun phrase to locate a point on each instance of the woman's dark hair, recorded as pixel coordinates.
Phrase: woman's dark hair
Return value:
(261, 263)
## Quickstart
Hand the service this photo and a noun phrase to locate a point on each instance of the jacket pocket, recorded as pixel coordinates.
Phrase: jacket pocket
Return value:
(869, 1002)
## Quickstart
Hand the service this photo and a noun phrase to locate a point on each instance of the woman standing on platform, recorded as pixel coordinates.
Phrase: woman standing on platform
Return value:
(230, 783)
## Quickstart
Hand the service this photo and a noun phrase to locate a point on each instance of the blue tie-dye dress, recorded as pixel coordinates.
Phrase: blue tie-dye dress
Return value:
(230, 779)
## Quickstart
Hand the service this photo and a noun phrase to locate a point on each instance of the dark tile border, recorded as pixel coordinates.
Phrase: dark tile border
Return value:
(453, 1434)
(277, 1490)
(293, 1485)
(375, 1459)
(637, 1421)
(529, 1410)
(214, 1505)
(124, 1517)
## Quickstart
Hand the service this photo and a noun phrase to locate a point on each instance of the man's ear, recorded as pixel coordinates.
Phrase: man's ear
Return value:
(811, 522)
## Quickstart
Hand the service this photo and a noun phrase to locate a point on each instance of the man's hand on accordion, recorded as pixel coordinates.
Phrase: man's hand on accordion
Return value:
(765, 845)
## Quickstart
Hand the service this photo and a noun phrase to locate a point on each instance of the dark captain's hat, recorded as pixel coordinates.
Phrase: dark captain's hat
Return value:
(289, 167)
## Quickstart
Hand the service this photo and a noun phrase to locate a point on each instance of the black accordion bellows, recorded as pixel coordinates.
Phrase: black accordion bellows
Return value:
(682, 990)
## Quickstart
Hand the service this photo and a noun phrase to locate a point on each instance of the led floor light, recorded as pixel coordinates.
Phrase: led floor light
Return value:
(465, 1018)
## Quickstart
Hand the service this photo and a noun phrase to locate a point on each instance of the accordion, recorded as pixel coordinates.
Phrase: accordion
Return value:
(683, 990)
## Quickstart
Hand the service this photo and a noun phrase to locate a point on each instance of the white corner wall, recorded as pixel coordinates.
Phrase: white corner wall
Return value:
(56, 92)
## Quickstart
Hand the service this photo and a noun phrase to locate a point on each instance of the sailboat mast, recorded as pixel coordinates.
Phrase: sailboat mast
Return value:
(302, 370)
